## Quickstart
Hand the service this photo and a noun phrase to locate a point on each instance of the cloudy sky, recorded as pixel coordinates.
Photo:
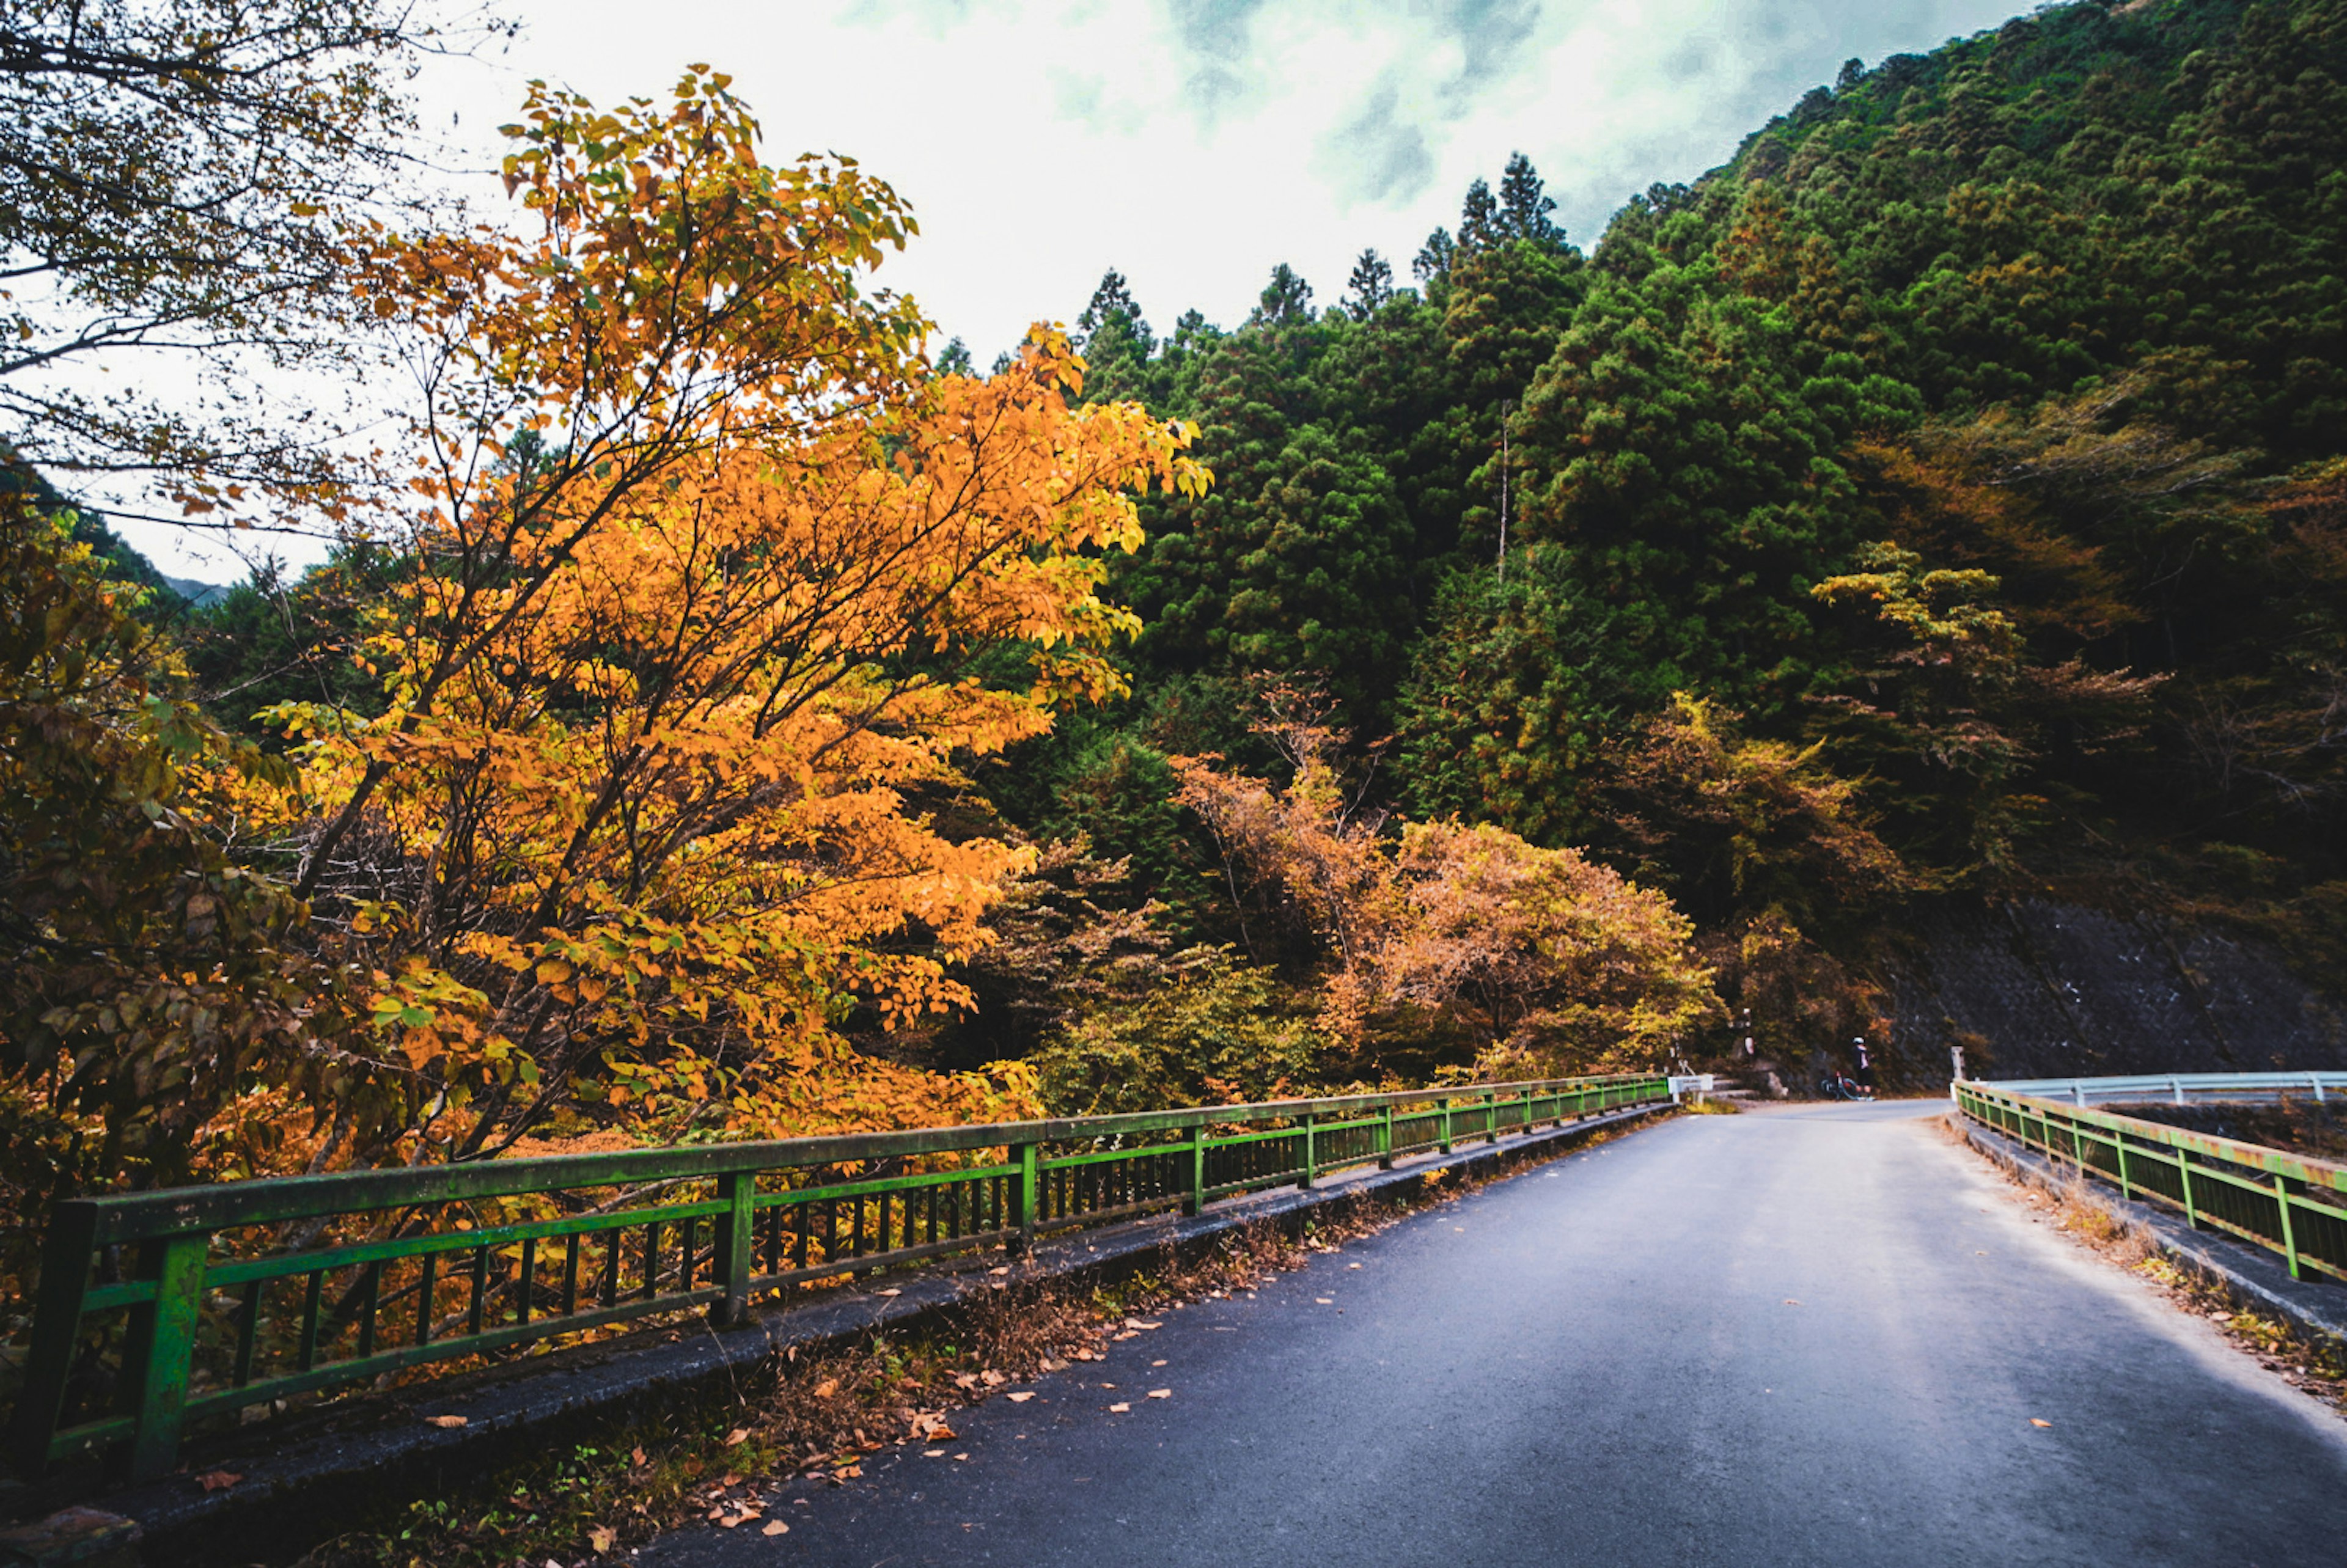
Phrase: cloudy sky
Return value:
(1191, 144)
(1194, 144)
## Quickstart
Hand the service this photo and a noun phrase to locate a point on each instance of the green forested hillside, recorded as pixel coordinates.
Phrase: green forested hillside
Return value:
(1945, 495)
(1580, 641)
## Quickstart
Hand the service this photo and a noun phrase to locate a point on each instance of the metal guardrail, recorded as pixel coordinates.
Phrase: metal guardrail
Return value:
(2285, 1203)
(2178, 1087)
(1696, 1083)
(157, 1309)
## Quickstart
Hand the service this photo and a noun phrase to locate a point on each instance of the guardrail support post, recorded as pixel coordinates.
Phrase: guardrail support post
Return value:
(2289, 1237)
(1197, 1201)
(2184, 1180)
(161, 1351)
(1491, 1118)
(1385, 1140)
(57, 1327)
(1024, 1197)
(1445, 1103)
(1311, 1153)
(737, 1227)
(2126, 1189)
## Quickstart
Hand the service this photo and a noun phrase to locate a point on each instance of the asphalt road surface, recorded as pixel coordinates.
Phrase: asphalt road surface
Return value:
(1809, 1337)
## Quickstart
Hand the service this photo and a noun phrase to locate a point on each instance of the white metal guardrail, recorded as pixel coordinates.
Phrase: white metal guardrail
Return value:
(2173, 1088)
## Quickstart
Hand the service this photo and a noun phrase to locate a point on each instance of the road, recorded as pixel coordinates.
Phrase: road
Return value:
(1809, 1335)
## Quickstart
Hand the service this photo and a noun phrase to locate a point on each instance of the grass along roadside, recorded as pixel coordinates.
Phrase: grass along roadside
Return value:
(2312, 1362)
(815, 1418)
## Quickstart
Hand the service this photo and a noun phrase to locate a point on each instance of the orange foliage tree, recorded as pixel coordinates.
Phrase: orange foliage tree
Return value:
(703, 568)
(1544, 960)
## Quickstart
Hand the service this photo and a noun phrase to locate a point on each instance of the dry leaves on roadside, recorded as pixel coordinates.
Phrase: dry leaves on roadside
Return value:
(2035, 1422)
(1118, 1408)
(775, 1527)
(1161, 1393)
(1020, 1398)
(602, 1537)
(217, 1480)
(737, 1437)
(448, 1420)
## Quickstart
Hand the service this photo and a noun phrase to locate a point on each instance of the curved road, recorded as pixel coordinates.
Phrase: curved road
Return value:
(1599, 1361)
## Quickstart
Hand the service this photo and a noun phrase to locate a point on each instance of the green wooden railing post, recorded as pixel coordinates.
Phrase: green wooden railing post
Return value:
(737, 1227)
(1491, 1118)
(56, 1331)
(1445, 1105)
(1385, 1140)
(161, 1349)
(1311, 1154)
(1025, 1195)
(2126, 1189)
(2289, 1238)
(1197, 1201)
(2184, 1177)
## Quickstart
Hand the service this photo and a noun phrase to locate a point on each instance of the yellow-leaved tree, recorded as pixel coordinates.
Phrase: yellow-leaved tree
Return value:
(709, 584)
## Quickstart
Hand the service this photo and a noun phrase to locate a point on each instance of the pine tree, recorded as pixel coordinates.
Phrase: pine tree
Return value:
(1285, 300)
(1371, 285)
(1479, 218)
(1524, 205)
(1434, 260)
(1113, 309)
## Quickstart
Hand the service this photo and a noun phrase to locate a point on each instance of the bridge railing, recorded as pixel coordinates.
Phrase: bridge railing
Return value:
(157, 1309)
(2179, 1088)
(2287, 1202)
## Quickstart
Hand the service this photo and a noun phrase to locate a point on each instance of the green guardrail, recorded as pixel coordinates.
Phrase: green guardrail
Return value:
(155, 1310)
(2286, 1203)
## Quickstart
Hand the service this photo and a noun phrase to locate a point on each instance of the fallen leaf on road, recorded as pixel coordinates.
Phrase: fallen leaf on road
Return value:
(1137, 1323)
(1352, 1265)
(2035, 1422)
(602, 1538)
(1161, 1393)
(1128, 1333)
(730, 1519)
(775, 1527)
(1118, 1408)
(939, 1432)
(217, 1480)
(1020, 1397)
(999, 1272)
(737, 1437)
(959, 1457)
(887, 1293)
(1053, 1364)
(933, 1453)
(1157, 1363)
(1790, 1302)
(448, 1420)
(1324, 1301)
